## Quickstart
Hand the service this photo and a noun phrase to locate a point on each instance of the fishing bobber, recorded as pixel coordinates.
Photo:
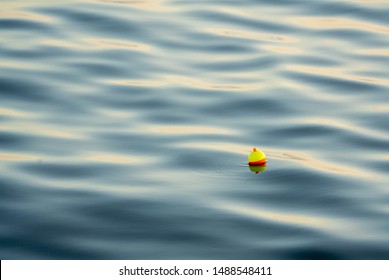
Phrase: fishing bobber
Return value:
(257, 158)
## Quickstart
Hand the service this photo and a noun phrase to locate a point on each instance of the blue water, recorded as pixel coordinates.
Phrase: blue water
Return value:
(125, 128)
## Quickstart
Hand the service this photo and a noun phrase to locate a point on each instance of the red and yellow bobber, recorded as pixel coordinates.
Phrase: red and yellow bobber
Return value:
(257, 158)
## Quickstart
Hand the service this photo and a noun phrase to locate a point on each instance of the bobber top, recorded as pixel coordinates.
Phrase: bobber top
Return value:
(256, 157)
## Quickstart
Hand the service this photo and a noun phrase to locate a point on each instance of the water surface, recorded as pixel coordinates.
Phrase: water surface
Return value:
(125, 128)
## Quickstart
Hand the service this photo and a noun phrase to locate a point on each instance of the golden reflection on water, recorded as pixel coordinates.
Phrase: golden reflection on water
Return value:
(97, 44)
(260, 36)
(111, 44)
(47, 131)
(336, 73)
(27, 16)
(219, 146)
(381, 108)
(7, 7)
(274, 216)
(61, 43)
(338, 23)
(140, 83)
(154, 5)
(187, 129)
(316, 164)
(23, 64)
(343, 125)
(197, 83)
(14, 113)
(384, 52)
(334, 225)
(96, 157)
(17, 157)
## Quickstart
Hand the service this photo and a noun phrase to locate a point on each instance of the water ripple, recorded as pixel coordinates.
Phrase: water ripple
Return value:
(125, 128)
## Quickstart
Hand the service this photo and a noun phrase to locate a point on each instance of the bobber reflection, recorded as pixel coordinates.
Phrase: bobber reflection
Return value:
(257, 168)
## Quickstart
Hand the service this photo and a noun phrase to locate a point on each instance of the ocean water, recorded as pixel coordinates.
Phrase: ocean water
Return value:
(125, 128)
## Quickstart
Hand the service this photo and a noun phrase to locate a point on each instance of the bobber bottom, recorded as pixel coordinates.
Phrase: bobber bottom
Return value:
(258, 163)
